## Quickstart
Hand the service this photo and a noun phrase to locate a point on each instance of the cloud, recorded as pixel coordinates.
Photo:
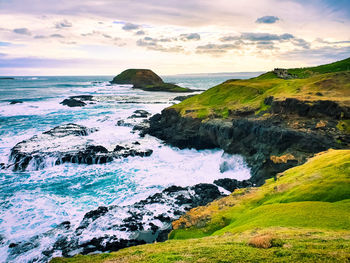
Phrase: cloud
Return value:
(39, 37)
(63, 24)
(267, 20)
(320, 55)
(22, 31)
(301, 43)
(252, 36)
(191, 36)
(215, 49)
(140, 32)
(265, 36)
(130, 27)
(56, 36)
(152, 44)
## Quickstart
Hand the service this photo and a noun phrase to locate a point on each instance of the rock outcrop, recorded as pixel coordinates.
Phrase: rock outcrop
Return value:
(147, 80)
(66, 144)
(283, 73)
(294, 127)
(114, 227)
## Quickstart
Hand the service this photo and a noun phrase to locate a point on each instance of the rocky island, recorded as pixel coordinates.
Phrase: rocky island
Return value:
(147, 80)
(293, 128)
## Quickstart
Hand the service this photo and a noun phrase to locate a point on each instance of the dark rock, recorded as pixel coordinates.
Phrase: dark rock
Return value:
(311, 109)
(145, 221)
(49, 145)
(268, 100)
(232, 184)
(82, 97)
(256, 139)
(73, 103)
(119, 148)
(140, 114)
(283, 73)
(6, 78)
(15, 102)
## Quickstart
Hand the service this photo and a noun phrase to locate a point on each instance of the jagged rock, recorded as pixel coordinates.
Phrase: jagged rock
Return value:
(232, 184)
(140, 114)
(73, 103)
(15, 102)
(114, 227)
(82, 97)
(292, 131)
(283, 73)
(66, 144)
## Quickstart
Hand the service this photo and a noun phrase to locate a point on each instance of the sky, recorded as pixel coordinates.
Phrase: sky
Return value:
(105, 37)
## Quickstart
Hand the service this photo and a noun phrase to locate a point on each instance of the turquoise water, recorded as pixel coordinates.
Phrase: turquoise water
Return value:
(35, 201)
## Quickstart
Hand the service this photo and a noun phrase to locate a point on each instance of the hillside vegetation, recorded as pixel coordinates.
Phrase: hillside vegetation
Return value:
(326, 82)
(300, 216)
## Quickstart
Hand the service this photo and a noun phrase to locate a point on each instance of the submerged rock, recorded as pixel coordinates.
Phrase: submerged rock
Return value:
(140, 114)
(15, 102)
(110, 228)
(65, 144)
(73, 103)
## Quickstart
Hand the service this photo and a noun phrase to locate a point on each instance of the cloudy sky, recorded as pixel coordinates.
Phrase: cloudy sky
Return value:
(104, 37)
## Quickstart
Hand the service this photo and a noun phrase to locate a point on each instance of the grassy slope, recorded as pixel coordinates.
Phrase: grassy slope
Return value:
(307, 209)
(326, 82)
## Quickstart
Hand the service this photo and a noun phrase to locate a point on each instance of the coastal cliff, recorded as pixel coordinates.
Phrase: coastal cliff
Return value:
(294, 133)
(274, 123)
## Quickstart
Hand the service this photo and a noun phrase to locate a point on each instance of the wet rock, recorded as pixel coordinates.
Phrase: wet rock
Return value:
(114, 227)
(82, 97)
(15, 102)
(140, 114)
(73, 103)
(232, 184)
(66, 144)
(257, 138)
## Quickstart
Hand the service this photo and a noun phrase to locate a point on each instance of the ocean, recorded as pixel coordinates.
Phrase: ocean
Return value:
(37, 200)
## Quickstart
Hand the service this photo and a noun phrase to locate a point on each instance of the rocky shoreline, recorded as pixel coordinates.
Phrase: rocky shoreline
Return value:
(283, 137)
(115, 227)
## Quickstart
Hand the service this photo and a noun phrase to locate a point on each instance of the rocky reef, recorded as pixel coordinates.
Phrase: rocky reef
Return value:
(147, 80)
(114, 227)
(77, 101)
(66, 144)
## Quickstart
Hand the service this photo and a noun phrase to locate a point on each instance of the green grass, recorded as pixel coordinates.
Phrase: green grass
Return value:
(297, 246)
(165, 87)
(298, 198)
(249, 95)
(306, 210)
(342, 65)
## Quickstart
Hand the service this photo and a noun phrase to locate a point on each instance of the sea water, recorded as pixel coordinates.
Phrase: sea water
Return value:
(35, 201)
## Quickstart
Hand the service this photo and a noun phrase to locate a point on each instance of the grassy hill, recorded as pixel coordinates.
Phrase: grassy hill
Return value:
(326, 82)
(301, 216)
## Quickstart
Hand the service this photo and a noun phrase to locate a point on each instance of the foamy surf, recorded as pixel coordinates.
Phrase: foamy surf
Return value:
(36, 202)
